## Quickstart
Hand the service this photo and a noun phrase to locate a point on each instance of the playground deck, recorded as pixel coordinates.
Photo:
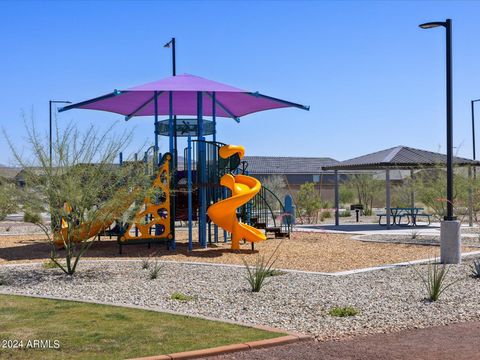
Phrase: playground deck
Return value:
(304, 251)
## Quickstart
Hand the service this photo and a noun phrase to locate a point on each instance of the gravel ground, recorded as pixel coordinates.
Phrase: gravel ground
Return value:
(388, 300)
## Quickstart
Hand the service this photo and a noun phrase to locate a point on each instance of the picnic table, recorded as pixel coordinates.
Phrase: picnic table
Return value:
(411, 213)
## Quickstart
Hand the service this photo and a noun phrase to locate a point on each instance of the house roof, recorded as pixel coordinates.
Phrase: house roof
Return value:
(399, 157)
(287, 165)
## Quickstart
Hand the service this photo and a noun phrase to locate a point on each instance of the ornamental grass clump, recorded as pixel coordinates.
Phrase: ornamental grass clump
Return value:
(476, 269)
(155, 270)
(258, 274)
(435, 280)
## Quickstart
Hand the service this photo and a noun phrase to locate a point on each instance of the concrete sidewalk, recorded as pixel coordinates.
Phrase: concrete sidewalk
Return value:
(371, 229)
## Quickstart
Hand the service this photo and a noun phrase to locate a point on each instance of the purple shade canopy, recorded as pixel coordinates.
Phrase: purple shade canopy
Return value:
(140, 100)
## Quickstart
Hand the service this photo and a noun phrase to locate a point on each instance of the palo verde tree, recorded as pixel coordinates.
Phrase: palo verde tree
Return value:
(431, 185)
(82, 191)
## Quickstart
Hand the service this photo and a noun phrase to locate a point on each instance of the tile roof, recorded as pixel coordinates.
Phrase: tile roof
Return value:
(287, 165)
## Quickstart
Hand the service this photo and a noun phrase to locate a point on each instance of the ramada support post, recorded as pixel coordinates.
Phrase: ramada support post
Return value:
(387, 181)
(470, 197)
(337, 198)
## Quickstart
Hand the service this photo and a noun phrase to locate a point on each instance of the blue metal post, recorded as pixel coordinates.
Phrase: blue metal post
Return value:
(155, 150)
(189, 186)
(201, 170)
(170, 126)
(120, 158)
(172, 163)
(216, 191)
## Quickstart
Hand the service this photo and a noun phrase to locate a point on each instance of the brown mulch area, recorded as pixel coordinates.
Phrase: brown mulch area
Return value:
(304, 251)
(456, 342)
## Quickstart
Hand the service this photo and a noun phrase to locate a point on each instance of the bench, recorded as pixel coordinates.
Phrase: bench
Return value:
(415, 217)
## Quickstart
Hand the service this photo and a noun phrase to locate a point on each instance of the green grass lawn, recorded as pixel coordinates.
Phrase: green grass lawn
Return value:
(91, 331)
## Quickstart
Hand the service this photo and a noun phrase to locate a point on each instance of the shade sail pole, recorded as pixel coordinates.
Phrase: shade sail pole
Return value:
(201, 169)
(215, 160)
(173, 162)
(389, 206)
(170, 125)
(189, 187)
(155, 150)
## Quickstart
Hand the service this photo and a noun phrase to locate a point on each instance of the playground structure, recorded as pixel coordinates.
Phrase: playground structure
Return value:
(213, 186)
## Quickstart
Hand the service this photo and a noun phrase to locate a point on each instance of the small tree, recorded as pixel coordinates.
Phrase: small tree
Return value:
(367, 189)
(82, 190)
(308, 201)
(346, 195)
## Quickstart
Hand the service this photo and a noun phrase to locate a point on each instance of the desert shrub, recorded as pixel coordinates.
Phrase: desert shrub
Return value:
(325, 215)
(435, 280)
(345, 213)
(49, 264)
(476, 268)
(343, 311)
(308, 201)
(181, 297)
(8, 199)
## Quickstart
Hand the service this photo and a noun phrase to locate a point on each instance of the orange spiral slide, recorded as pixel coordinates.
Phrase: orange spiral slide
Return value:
(224, 212)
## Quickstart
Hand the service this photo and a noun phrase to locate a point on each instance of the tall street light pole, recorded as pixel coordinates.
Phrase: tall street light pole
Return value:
(450, 240)
(473, 128)
(171, 44)
(448, 29)
(50, 103)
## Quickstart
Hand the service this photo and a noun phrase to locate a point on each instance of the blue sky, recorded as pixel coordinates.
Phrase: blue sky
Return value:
(372, 77)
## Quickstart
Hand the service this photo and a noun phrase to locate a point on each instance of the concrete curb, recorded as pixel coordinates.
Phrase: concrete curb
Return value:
(226, 349)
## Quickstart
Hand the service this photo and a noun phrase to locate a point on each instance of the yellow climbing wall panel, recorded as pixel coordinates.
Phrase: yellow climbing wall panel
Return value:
(152, 221)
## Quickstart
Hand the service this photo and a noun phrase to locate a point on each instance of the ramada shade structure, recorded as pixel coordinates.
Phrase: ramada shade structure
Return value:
(399, 157)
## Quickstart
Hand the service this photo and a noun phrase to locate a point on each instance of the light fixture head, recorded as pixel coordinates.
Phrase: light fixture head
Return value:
(431, 25)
